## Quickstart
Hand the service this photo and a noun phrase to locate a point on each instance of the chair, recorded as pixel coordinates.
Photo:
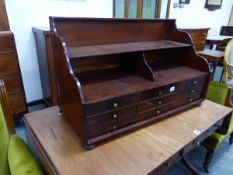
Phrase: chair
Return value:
(218, 93)
(15, 157)
(228, 64)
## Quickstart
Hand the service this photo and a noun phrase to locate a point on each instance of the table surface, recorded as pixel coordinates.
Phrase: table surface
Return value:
(138, 152)
(217, 37)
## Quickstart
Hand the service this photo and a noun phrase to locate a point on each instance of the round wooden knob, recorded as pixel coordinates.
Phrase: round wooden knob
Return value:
(159, 102)
(190, 100)
(114, 127)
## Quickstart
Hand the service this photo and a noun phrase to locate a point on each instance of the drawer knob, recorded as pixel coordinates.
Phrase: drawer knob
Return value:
(114, 116)
(197, 143)
(114, 127)
(192, 91)
(194, 81)
(190, 100)
(159, 102)
(115, 105)
(157, 112)
(160, 93)
(168, 164)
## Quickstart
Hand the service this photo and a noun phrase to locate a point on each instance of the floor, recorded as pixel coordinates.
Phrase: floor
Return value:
(222, 161)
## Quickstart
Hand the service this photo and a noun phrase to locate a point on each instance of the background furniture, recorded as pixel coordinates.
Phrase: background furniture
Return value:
(111, 82)
(46, 65)
(151, 149)
(198, 36)
(15, 157)
(228, 64)
(226, 30)
(10, 73)
(218, 93)
(214, 57)
(4, 24)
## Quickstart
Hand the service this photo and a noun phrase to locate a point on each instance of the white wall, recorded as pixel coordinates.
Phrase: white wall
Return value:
(25, 14)
(195, 15)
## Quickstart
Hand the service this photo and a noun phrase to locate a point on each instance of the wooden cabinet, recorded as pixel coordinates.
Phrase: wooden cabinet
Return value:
(46, 65)
(10, 73)
(198, 37)
(115, 75)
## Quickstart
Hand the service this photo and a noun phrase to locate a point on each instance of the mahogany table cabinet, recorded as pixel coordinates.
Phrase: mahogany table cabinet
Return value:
(10, 73)
(115, 75)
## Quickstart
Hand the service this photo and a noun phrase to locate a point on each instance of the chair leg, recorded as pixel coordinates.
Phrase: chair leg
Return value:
(231, 138)
(207, 161)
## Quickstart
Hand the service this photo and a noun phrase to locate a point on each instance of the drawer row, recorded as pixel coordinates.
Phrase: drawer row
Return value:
(9, 63)
(117, 119)
(147, 99)
(7, 42)
(17, 103)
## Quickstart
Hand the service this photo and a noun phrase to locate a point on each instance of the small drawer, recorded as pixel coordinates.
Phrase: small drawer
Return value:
(156, 102)
(157, 111)
(7, 43)
(170, 89)
(111, 121)
(8, 64)
(196, 83)
(12, 83)
(17, 103)
(112, 104)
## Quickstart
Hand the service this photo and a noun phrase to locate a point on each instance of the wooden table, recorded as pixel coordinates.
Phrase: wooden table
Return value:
(217, 40)
(149, 150)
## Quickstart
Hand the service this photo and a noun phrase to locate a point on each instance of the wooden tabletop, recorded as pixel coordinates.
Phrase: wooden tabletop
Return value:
(136, 153)
(217, 37)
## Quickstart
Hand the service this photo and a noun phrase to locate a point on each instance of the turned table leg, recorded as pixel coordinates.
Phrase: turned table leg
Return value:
(207, 161)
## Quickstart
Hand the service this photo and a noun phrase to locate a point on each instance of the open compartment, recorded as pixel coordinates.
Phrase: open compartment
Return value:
(115, 75)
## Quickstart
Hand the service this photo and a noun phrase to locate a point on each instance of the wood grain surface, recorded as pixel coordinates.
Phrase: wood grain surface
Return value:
(136, 153)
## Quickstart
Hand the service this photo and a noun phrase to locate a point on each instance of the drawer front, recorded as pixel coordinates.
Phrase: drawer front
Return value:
(12, 83)
(111, 121)
(158, 92)
(112, 104)
(157, 111)
(156, 102)
(8, 64)
(7, 43)
(195, 84)
(17, 103)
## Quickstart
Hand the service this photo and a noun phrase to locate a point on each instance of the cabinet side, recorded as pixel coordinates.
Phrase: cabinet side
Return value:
(68, 86)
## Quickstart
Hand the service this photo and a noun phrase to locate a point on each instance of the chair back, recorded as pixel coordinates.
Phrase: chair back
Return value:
(228, 61)
(217, 92)
(6, 108)
(4, 136)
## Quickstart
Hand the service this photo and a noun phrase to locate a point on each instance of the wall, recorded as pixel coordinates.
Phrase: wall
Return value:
(25, 14)
(195, 15)
(231, 18)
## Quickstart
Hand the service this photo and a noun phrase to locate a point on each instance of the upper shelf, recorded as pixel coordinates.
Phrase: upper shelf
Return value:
(106, 49)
